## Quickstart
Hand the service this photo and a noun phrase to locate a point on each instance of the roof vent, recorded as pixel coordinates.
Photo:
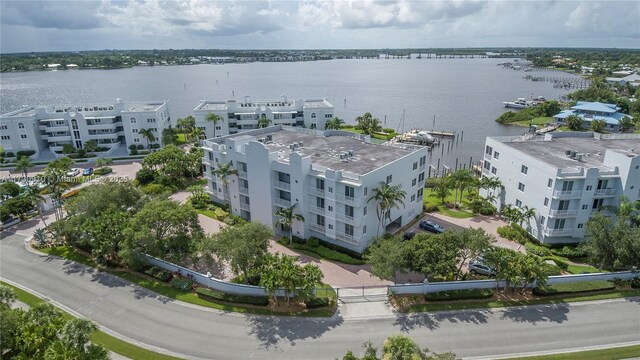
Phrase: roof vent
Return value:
(300, 144)
(292, 147)
(568, 153)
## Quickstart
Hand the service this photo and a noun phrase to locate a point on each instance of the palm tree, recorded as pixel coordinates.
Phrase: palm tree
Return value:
(197, 134)
(598, 125)
(148, 135)
(224, 171)
(24, 164)
(574, 122)
(334, 124)
(387, 197)
(34, 196)
(214, 118)
(526, 215)
(286, 217)
(263, 122)
(186, 126)
(368, 124)
(461, 180)
(626, 124)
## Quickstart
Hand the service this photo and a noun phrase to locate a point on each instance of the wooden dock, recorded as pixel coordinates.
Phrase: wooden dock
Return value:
(442, 133)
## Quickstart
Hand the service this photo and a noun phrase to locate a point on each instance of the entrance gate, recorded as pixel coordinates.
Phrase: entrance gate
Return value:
(363, 293)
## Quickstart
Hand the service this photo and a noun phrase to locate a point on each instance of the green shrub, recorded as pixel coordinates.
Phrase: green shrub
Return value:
(313, 241)
(577, 287)
(560, 262)
(158, 273)
(576, 251)
(237, 219)
(133, 152)
(323, 251)
(10, 154)
(139, 147)
(318, 302)
(103, 171)
(25, 153)
(229, 221)
(132, 147)
(537, 249)
(388, 130)
(155, 189)
(459, 295)
(220, 213)
(214, 295)
(182, 284)
(430, 207)
(552, 270)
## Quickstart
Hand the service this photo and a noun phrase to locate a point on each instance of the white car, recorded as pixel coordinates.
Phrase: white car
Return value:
(73, 172)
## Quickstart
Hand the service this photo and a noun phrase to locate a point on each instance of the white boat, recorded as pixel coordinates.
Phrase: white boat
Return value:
(521, 103)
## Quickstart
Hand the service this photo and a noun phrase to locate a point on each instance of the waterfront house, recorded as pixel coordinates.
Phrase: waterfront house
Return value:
(589, 111)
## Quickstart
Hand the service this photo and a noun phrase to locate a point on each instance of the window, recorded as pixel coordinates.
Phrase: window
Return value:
(364, 212)
(541, 220)
(518, 203)
(3, 127)
(330, 226)
(521, 187)
(135, 131)
(365, 191)
(413, 198)
(348, 210)
(364, 229)
(550, 183)
(348, 229)
(423, 160)
(420, 192)
(20, 126)
(5, 137)
(330, 208)
(421, 176)
(493, 170)
(524, 169)
(488, 150)
(415, 166)
(348, 191)
(546, 202)
(585, 207)
(23, 136)
(136, 140)
(328, 116)
(597, 203)
(133, 120)
(210, 155)
(496, 155)
(389, 178)
(151, 120)
(97, 121)
(320, 220)
(589, 187)
(580, 226)
(218, 127)
(559, 224)
(413, 182)
(487, 165)
(313, 115)
(330, 189)
(320, 202)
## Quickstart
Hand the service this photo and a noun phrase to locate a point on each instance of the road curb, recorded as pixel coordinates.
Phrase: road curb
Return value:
(554, 352)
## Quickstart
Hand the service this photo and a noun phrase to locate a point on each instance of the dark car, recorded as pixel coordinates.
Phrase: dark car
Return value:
(431, 226)
(409, 235)
(88, 171)
(478, 268)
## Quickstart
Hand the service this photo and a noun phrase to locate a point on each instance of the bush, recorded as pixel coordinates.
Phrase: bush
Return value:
(214, 295)
(155, 146)
(459, 295)
(229, 221)
(575, 251)
(537, 249)
(220, 213)
(145, 176)
(313, 241)
(69, 194)
(82, 153)
(181, 284)
(10, 154)
(388, 130)
(577, 287)
(199, 202)
(155, 189)
(132, 147)
(238, 220)
(318, 303)
(324, 252)
(516, 233)
(22, 153)
(139, 147)
(430, 207)
(103, 171)
(158, 273)
(558, 261)
(133, 152)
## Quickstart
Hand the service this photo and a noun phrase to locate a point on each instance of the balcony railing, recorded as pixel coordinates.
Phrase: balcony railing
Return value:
(244, 206)
(346, 218)
(604, 192)
(243, 190)
(317, 210)
(346, 237)
(282, 202)
(318, 228)
(242, 174)
(348, 199)
(563, 213)
(315, 191)
(567, 194)
(558, 232)
(282, 185)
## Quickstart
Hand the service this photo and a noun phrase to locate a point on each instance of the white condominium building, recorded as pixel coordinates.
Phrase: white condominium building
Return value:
(238, 116)
(565, 176)
(49, 128)
(328, 175)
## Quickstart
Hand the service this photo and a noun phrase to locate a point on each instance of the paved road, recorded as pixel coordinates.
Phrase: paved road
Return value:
(197, 333)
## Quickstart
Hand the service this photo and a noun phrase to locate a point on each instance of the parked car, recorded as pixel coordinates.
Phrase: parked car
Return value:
(478, 268)
(73, 172)
(431, 226)
(408, 235)
(88, 171)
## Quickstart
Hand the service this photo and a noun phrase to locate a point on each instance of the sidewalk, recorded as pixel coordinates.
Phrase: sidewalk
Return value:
(490, 224)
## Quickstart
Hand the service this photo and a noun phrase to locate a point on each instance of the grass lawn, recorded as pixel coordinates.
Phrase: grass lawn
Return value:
(167, 290)
(181, 139)
(625, 352)
(431, 199)
(111, 343)
(375, 136)
(579, 269)
(539, 121)
(615, 294)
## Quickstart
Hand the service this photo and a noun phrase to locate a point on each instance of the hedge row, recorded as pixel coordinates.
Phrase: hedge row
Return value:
(317, 303)
(158, 273)
(213, 295)
(537, 249)
(329, 254)
(577, 287)
(459, 295)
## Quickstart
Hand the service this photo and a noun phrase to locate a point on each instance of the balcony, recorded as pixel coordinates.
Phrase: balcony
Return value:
(52, 128)
(59, 138)
(348, 199)
(346, 218)
(346, 237)
(604, 192)
(567, 194)
(558, 232)
(317, 210)
(487, 156)
(315, 191)
(244, 206)
(318, 228)
(242, 174)
(243, 190)
(282, 185)
(282, 202)
(563, 213)
(422, 167)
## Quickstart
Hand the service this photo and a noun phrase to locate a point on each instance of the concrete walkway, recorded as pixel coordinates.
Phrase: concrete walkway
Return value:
(490, 224)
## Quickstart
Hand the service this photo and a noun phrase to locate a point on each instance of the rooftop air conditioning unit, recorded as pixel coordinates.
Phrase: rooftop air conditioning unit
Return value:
(567, 152)
(300, 144)
(291, 147)
(269, 137)
(350, 153)
(573, 154)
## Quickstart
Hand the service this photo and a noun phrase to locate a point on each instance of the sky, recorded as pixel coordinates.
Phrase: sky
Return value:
(139, 24)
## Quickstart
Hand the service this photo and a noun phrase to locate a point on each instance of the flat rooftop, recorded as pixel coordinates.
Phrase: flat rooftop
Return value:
(211, 105)
(593, 150)
(141, 107)
(325, 150)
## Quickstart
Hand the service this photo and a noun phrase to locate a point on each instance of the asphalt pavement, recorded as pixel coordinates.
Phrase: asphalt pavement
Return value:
(191, 331)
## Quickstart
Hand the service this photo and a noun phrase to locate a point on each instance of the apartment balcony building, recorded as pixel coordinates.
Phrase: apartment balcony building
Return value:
(563, 213)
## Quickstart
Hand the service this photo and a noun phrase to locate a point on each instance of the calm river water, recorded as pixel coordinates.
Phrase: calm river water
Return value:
(463, 94)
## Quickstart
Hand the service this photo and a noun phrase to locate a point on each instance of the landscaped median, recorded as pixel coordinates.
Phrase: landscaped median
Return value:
(490, 298)
(213, 299)
(623, 352)
(99, 337)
